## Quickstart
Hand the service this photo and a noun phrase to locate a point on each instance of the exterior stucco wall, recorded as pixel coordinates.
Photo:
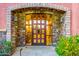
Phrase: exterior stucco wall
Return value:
(75, 19)
(72, 7)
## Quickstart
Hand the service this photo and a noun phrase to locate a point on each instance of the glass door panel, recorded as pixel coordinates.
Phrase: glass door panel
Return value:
(38, 32)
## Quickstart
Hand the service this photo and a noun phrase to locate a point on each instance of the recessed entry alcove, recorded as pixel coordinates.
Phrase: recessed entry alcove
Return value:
(37, 24)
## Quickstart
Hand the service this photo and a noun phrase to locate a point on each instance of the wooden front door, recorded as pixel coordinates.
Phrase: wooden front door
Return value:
(39, 32)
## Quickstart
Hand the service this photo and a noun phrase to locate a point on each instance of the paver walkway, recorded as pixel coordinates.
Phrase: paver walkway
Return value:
(36, 51)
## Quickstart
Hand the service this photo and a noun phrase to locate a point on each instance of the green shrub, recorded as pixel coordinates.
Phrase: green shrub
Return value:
(7, 48)
(68, 46)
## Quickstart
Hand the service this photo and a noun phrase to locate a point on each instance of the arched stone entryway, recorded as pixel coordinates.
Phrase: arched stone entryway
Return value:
(65, 19)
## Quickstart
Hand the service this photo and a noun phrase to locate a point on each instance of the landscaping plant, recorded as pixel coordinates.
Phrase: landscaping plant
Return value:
(68, 46)
(6, 48)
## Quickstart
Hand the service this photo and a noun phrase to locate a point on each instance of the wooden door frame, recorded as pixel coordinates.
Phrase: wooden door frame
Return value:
(40, 29)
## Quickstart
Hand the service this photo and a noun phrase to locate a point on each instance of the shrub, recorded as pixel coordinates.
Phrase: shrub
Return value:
(68, 46)
(6, 49)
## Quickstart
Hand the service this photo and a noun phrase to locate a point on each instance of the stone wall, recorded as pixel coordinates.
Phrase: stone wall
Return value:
(2, 36)
(66, 17)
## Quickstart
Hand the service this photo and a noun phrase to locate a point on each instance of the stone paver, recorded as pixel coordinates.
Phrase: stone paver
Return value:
(36, 51)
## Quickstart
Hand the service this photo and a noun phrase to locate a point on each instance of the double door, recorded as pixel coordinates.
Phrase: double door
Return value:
(38, 32)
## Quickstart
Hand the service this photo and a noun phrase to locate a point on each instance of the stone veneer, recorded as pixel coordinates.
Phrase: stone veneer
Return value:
(2, 36)
(66, 17)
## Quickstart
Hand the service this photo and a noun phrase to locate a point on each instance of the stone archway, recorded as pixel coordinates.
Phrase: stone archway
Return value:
(66, 17)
